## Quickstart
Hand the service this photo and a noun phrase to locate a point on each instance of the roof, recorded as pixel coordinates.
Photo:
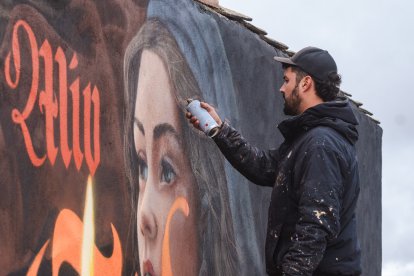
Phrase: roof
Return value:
(245, 20)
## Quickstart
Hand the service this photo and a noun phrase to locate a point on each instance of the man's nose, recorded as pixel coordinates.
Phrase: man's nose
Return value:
(282, 89)
(148, 221)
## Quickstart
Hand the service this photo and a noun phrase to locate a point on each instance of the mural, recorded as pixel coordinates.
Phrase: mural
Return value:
(170, 161)
(100, 172)
(60, 87)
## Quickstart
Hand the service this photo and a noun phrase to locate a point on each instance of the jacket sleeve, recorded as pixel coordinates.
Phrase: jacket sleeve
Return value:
(256, 165)
(320, 190)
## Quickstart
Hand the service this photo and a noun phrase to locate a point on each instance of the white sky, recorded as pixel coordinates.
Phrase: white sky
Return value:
(373, 45)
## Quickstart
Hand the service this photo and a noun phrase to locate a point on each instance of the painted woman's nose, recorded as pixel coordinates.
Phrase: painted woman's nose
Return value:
(148, 223)
(148, 226)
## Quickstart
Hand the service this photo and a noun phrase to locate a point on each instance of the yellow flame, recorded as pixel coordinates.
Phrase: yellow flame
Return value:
(88, 233)
(77, 249)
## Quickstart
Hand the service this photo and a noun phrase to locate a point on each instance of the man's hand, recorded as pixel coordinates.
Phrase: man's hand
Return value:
(194, 120)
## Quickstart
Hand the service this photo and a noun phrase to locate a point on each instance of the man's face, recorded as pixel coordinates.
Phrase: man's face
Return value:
(290, 93)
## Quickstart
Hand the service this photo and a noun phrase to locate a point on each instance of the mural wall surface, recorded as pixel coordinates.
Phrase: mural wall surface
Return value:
(100, 173)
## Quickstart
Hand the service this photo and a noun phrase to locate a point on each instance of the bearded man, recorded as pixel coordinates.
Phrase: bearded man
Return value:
(314, 173)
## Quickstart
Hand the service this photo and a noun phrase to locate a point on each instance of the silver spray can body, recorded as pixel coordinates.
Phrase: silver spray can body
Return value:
(207, 123)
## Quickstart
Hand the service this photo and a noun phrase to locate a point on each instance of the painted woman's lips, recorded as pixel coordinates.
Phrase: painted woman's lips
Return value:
(148, 269)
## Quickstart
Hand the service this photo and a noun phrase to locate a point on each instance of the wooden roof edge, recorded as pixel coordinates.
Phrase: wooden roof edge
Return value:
(241, 18)
(358, 105)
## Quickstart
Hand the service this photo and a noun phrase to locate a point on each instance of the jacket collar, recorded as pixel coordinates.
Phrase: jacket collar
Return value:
(336, 114)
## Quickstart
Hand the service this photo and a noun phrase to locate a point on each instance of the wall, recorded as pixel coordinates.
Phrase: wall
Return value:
(100, 170)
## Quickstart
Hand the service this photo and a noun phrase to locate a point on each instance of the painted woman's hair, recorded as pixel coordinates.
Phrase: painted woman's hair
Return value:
(217, 249)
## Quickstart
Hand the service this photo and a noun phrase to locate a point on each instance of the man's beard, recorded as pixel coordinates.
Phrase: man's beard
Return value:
(292, 103)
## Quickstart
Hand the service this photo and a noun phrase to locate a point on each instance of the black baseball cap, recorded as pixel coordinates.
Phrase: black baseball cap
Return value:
(316, 62)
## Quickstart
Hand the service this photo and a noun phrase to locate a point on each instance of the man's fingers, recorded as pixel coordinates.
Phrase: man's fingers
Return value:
(210, 109)
(193, 119)
(206, 106)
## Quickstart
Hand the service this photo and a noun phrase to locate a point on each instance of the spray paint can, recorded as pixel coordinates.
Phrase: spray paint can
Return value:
(207, 123)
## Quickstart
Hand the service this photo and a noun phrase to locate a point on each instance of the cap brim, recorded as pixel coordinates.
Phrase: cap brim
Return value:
(284, 60)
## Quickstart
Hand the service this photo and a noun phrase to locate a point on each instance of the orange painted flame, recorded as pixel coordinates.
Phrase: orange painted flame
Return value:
(70, 243)
(180, 204)
(34, 268)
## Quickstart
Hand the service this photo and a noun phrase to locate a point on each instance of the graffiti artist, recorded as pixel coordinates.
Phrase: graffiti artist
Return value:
(314, 173)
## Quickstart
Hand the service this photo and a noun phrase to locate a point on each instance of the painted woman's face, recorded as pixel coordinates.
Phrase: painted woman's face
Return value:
(167, 235)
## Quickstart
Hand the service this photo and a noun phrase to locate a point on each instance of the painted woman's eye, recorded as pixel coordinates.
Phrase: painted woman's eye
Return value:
(167, 172)
(142, 169)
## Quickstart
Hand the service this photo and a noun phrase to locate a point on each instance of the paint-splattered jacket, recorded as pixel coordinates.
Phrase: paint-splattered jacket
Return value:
(314, 175)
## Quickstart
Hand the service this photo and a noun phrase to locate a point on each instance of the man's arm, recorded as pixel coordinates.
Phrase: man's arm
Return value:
(256, 165)
(320, 194)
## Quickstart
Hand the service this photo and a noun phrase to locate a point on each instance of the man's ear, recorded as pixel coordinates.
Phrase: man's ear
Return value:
(307, 83)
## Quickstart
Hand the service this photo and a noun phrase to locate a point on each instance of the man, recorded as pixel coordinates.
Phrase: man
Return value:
(314, 173)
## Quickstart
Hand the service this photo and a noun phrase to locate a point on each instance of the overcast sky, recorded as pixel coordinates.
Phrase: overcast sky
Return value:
(373, 45)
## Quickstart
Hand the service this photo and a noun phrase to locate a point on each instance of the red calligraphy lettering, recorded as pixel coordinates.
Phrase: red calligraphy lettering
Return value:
(90, 160)
(63, 106)
(47, 102)
(53, 107)
(17, 116)
(77, 153)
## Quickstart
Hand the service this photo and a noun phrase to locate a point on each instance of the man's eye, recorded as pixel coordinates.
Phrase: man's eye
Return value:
(167, 172)
(142, 169)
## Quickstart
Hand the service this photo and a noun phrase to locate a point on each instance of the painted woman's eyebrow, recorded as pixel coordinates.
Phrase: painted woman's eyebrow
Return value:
(159, 130)
(163, 129)
(139, 125)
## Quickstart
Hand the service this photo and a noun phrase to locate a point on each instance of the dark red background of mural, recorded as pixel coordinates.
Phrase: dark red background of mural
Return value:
(97, 32)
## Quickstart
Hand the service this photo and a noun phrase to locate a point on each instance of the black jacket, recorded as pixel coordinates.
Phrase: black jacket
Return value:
(314, 174)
